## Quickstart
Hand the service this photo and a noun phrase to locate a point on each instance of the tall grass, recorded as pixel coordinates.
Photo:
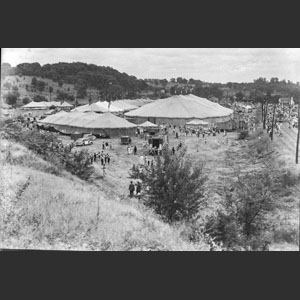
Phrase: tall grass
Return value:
(59, 213)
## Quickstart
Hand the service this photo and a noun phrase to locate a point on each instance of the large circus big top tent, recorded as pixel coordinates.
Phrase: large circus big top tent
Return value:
(90, 122)
(180, 109)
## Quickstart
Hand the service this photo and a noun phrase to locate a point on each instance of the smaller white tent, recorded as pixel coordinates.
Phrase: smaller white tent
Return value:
(147, 124)
(65, 104)
(36, 105)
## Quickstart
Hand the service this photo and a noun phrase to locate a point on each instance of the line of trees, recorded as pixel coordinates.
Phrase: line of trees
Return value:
(107, 80)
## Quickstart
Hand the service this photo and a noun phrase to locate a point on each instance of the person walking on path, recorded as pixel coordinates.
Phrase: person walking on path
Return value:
(104, 170)
(173, 151)
(131, 189)
(138, 190)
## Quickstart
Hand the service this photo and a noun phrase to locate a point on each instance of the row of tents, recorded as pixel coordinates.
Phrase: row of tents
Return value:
(47, 105)
(117, 106)
(100, 117)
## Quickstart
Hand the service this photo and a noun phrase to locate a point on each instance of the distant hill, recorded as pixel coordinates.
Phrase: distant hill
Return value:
(108, 81)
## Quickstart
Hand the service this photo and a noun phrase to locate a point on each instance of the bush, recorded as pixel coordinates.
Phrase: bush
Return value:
(289, 179)
(25, 100)
(243, 135)
(79, 164)
(50, 148)
(242, 219)
(11, 99)
(174, 187)
(39, 98)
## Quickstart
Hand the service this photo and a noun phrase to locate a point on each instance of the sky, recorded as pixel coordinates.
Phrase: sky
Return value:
(207, 64)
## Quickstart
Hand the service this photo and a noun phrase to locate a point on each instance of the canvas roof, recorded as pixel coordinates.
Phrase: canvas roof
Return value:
(93, 107)
(65, 104)
(52, 118)
(124, 105)
(47, 104)
(138, 102)
(197, 122)
(181, 106)
(88, 120)
(99, 107)
(36, 105)
(148, 124)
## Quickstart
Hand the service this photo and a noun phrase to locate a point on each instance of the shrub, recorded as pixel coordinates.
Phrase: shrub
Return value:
(39, 98)
(25, 100)
(242, 218)
(174, 187)
(289, 179)
(11, 99)
(243, 135)
(79, 164)
(50, 148)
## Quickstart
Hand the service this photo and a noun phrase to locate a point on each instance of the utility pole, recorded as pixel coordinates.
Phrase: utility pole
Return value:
(298, 135)
(273, 120)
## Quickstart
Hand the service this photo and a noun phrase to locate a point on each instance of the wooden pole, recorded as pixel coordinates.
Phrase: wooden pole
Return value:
(298, 135)
(273, 119)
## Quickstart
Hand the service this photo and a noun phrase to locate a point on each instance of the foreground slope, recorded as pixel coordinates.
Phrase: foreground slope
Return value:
(44, 211)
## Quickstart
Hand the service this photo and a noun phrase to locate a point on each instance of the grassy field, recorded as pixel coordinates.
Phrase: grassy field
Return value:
(43, 211)
(66, 214)
(222, 158)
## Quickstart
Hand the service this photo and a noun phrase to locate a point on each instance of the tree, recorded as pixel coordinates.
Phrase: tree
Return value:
(15, 88)
(7, 85)
(173, 90)
(11, 99)
(179, 80)
(239, 96)
(242, 219)
(34, 82)
(40, 85)
(174, 186)
(61, 95)
(50, 91)
(71, 98)
(60, 83)
(39, 98)
(25, 100)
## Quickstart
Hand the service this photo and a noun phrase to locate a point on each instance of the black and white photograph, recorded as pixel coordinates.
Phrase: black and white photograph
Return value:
(150, 149)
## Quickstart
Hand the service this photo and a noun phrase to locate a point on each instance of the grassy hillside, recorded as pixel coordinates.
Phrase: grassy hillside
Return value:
(41, 210)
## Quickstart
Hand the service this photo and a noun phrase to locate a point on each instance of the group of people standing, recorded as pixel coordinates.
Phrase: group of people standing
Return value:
(103, 157)
(137, 188)
(131, 149)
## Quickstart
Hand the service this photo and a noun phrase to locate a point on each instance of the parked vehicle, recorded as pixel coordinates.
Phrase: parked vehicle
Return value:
(125, 140)
(83, 142)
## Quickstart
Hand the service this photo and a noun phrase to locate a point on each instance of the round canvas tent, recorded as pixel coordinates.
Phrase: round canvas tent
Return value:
(90, 122)
(180, 109)
(124, 105)
(99, 107)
